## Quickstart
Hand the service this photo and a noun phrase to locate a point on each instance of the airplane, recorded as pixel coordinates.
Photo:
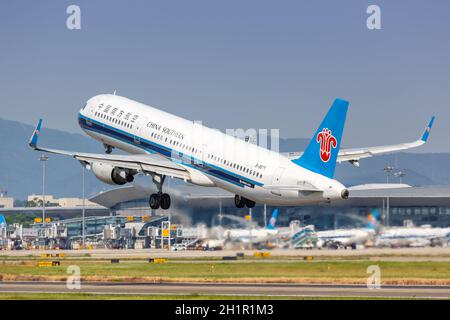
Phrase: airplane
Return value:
(294, 236)
(413, 237)
(163, 145)
(3, 226)
(348, 237)
(253, 234)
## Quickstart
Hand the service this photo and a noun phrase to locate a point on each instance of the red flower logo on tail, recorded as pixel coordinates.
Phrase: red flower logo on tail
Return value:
(327, 141)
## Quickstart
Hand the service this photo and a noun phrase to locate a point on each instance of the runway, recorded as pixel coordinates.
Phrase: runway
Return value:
(271, 290)
(400, 254)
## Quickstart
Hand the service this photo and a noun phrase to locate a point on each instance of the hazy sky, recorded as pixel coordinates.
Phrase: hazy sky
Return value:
(235, 64)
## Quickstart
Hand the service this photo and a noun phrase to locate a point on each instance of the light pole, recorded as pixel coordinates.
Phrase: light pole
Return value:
(250, 213)
(170, 214)
(400, 175)
(220, 213)
(388, 170)
(83, 209)
(43, 159)
(265, 215)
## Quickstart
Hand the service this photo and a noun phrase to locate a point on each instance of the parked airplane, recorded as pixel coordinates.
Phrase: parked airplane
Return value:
(161, 144)
(413, 237)
(253, 234)
(349, 237)
(294, 235)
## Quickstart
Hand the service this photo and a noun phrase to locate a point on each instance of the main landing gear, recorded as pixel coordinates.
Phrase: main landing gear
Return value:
(241, 202)
(159, 199)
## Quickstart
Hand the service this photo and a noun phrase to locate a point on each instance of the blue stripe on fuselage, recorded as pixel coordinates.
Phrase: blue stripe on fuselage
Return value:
(152, 147)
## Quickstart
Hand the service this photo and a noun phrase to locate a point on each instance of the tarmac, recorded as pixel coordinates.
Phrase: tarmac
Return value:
(236, 289)
(239, 289)
(398, 254)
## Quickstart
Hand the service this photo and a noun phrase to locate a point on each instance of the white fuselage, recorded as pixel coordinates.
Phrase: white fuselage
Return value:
(411, 236)
(211, 157)
(249, 235)
(345, 237)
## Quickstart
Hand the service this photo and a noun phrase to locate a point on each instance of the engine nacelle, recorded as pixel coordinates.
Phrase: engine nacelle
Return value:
(110, 174)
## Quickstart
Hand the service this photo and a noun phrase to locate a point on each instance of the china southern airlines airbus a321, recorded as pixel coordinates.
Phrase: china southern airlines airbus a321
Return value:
(163, 145)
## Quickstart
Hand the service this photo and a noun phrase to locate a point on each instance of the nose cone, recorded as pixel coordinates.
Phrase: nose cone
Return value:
(80, 119)
(83, 113)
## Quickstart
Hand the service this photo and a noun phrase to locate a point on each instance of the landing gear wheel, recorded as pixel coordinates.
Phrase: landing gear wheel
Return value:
(249, 203)
(165, 201)
(154, 201)
(239, 201)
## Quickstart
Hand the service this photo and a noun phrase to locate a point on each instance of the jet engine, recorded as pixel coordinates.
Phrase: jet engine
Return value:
(112, 175)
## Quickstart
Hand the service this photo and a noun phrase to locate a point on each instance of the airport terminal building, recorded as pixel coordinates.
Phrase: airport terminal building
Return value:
(192, 205)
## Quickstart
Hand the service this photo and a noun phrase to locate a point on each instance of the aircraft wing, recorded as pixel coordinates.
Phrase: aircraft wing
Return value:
(355, 154)
(150, 163)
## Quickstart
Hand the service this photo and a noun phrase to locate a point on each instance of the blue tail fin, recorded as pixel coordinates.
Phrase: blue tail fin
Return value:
(2, 220)
(273, 220)
(373, 219)
(321, 154)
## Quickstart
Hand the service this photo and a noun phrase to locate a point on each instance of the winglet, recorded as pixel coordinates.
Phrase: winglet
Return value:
(34, 138)
(426, 133)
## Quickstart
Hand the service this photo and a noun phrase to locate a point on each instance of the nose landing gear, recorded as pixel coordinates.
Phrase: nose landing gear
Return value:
(108, 148)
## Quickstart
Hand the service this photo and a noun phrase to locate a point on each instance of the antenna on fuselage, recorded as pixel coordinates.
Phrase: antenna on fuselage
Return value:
(114, 93)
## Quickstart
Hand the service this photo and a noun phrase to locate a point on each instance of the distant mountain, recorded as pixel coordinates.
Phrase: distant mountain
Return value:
(21, 172)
